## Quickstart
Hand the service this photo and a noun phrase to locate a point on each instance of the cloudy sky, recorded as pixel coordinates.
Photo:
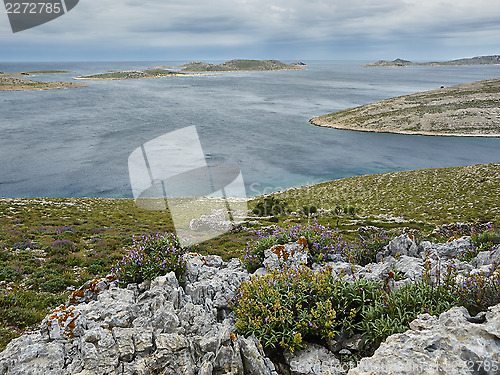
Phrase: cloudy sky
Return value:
(136, 30)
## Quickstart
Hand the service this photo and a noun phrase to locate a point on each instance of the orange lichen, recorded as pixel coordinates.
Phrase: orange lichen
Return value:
(279, 250)
(303, 242)
(233, 337)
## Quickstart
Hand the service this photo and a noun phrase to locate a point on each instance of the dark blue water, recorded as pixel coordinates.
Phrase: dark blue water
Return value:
(76, 142)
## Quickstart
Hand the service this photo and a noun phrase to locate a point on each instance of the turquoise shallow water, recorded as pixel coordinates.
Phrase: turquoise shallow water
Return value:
(76, 143)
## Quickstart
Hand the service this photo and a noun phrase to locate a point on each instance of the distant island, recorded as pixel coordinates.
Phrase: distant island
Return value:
(239, 65)
(11, 82)
(470, 109)
(196, 67)
(132, 74)
(478, 60)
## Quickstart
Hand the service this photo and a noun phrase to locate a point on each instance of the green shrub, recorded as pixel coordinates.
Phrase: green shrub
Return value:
(394, 311)
(55, 285)
(309, 210)
(270, 206)
(478, 292)
(485, 240)
(282, 309)
(152, 256)
(9, 274)
(95, 269)
(6, 336)
(365, 252)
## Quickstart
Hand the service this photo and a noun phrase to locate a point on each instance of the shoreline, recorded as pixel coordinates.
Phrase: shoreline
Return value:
(316, 121)
(135, 78)
(466, 110)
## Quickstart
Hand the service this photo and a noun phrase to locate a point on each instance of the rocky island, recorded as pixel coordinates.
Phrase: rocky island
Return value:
(13, 81)
(477, 60)
(464, 110)
(132, 74)
(239, 65)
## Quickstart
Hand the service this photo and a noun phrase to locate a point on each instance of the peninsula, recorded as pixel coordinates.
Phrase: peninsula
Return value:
(470, 109)
(239, 65)
(477, 60)
(12, 82)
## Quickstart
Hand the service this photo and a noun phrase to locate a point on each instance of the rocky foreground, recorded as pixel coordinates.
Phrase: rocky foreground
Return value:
(163, 327)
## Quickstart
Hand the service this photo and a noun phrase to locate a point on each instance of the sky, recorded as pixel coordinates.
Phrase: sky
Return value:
(289, 30)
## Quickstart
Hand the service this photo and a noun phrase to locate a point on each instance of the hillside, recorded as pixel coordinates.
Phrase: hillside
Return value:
(239, 65)
(470, 109)
(440, 195)
(477, 60)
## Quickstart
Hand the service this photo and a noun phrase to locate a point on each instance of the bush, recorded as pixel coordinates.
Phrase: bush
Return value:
(485, 240)
(365, 252)
(282, 309)
(270, 206)
(152, 256)
(55, 285)
(22, 309)
(478, 292)
(9, 274)
(309, 210)
(395, 310)
(62, 247)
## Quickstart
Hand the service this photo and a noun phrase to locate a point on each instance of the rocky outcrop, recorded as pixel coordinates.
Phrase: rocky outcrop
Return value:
(158, 327)
(290, 255)
(450, 344)
(167, 327)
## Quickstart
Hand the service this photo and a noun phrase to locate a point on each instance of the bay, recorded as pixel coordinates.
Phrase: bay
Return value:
(76, 142)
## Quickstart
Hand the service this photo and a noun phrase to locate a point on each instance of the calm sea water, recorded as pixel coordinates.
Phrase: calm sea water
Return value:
(76, 142)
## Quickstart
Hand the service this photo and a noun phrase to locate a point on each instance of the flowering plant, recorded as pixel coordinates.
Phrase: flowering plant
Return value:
(153, 255)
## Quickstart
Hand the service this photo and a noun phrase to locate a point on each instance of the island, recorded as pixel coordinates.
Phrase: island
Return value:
(477, 60)
(470, 109)
(239, 65)
(133, 74)
(11, 82)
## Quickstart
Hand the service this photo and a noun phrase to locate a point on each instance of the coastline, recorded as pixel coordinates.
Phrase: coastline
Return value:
(467, 110)
(15, 84)
(317, 121)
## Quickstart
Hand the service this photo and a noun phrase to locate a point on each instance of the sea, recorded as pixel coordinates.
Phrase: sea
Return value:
(77, 142)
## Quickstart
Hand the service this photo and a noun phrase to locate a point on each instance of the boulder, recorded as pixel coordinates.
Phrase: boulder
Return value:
(291, 255)
(447, 250)
(313, 360)
(450, 344)
(401, 245)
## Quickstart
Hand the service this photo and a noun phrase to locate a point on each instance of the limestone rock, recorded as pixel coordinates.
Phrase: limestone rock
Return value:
(447, 250)
(449, 344)
(292, 255)
(402, 245)
(313, 360)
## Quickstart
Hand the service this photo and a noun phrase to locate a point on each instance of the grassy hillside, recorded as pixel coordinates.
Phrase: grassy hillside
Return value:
(435, 196)
(469, 109)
